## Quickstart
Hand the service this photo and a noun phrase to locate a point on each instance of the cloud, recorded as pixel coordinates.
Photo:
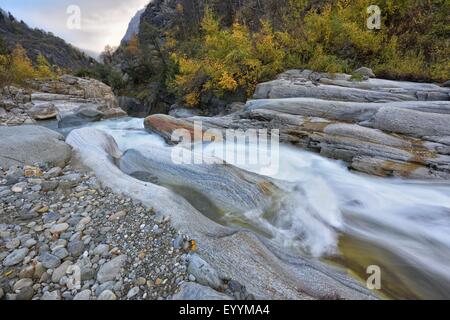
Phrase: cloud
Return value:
(103, 22)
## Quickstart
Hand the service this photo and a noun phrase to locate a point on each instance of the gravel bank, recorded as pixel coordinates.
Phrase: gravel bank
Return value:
(60, 226)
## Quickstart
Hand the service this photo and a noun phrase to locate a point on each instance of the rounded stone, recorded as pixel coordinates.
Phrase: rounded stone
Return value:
(59, 228)
(84, 295)
(15, 257)
(107, 295)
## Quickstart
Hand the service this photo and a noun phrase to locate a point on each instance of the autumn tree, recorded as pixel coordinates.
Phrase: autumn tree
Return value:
(108, 54)
(21, 66)
(43, 68)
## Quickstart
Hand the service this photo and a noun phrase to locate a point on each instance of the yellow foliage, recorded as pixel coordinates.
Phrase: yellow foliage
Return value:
(330, 38)
(21, 66)
(227, 82)
(17, 68)
(229, 59)
(133, 46)
(192, 99)
(43, 68)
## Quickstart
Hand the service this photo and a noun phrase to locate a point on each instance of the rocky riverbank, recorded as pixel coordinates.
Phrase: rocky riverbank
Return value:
(380, 127)
(56, 223)
(73, 101)
(58, 226)
(128, 234)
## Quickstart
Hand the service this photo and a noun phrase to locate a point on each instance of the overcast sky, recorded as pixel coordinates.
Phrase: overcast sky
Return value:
(103, 22)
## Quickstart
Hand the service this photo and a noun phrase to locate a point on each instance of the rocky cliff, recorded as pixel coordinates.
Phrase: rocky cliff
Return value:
(133, 27)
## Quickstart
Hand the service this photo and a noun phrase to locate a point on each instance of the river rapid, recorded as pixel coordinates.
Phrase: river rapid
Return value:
(344, 218)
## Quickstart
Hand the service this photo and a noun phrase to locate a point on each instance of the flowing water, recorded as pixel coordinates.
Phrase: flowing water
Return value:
(345, 218)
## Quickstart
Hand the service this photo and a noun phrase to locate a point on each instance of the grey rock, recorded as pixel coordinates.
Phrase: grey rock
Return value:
(133, 292)
(61, 253)
(101, 250)
(15, 257)
(84, 295)
(104, 286)
(25, 294)
(22, 283)
(79, 117)
(51, 296)
(60, 271)
(51, 217)
(367, 72)
(12, 244)
(412, 122)
(197, 292)
(43, 111)
(53, 173)
(87, 274)
(107, 295)
(204, 273)
(30, 145)
(75, 248)
(49, 186)
(49, 261)
(110, 270)
(59, 228)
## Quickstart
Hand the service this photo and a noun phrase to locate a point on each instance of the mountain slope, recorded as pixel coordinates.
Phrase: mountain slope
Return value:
(36, 41)
(133, 27)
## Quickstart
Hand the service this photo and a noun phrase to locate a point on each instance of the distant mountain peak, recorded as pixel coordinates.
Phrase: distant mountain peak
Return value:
(133, 26)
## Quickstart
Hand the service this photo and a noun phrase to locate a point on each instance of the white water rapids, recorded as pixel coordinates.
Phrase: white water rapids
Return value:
(348, 218)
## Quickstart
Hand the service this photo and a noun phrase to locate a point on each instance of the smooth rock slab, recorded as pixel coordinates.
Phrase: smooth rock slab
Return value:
(27, 145)
(110, 270)
(414, 123)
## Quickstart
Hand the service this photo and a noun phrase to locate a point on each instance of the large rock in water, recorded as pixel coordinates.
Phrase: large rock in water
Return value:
(380, 127)
(32, 144)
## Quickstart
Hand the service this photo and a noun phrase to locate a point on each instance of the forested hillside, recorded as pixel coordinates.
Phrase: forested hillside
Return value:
(199, 51)
(38, 42)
